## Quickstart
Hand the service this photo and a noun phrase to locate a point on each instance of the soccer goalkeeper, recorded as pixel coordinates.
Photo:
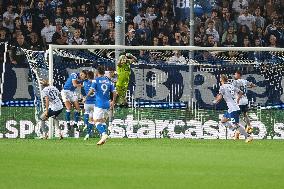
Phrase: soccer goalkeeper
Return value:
(123, 76)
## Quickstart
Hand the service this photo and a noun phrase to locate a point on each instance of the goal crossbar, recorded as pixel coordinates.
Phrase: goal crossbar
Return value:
(188, 48)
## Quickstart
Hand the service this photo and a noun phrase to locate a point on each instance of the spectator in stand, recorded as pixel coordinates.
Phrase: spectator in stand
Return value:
(39, 12)
(259, 34)
(144, 29)
(259, 20)
(96, 39)
(110, 27)
(70, 13)
(8, 33)
(55, 3)
(217, 25)
(164, 16)
(239, 5)
(228, 21)
(210, 42)
(59, 37)
(246, 42)
(156, 41)
(9, 17)
(110, 39)
(144, 56)
(103, 18)
(272, 41)
(3, 37)
(25, 13)
(242, 33)
(76, 40)
(150, 14)
(58, 15)
(273, 29)
(224, 11)
(17, 55)
(86, 31)
(68, 28)
(200, 36)
(138, 18)
(258, 42)
(230, 31)
(47, 32)
(229, 42)
(35, 43)
(177, 58)
(142, 38)
(212, 31)
(247, 19)
(28, 30)
(18, 24)
(177, 40)
(185, 39)
(165, 41)
(130, 39)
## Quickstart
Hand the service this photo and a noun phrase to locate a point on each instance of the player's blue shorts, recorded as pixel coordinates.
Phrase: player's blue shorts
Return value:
(233, 116)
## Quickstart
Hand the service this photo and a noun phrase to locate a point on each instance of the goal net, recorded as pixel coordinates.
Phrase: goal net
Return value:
(171, 89)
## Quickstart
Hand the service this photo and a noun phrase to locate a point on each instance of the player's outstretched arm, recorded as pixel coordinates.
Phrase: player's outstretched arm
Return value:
(114, 94)
(240, 94)
(46, 105)
(218, 98)
(76, 84)
(251, 85)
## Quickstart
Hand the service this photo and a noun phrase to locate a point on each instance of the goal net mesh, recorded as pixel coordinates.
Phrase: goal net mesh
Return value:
(160, 88)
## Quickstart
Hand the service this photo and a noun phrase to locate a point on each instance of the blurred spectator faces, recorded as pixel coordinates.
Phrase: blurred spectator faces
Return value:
(102, 10)
(272, 41)
(130, 27)
(110, 25)
(40, 5)
(46, 21)
(29, 23)
(20, 39)
(81, 20)
(165, 40)
(2, 35)
(156, 41)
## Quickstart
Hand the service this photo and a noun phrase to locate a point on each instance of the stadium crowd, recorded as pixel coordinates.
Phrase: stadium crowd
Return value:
(33, 24)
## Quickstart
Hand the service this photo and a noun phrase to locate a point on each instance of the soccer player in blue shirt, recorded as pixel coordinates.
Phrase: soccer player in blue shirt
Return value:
(70, 97)
(89, 103)
(102, 87)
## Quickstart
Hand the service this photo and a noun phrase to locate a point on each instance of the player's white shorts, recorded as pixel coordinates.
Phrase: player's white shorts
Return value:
(89, 108)
(100, 113)
(70, 96)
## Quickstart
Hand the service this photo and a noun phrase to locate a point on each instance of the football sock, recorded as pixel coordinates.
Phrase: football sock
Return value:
(246, 118)
(67, 116)
(90, 128)
(243, 131)
(101, 128)
(86, 119)
(76, 116)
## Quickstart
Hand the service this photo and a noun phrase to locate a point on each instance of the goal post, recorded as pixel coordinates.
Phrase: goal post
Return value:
(158, 81)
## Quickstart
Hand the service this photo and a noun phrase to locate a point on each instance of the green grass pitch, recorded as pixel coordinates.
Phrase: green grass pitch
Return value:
(141, 163)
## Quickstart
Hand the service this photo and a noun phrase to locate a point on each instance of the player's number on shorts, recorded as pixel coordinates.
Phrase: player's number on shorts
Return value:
(104, 88)
(53, 94)
(243, 89)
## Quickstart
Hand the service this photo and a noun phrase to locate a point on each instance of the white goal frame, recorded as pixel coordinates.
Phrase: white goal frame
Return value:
(171, 48)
